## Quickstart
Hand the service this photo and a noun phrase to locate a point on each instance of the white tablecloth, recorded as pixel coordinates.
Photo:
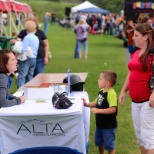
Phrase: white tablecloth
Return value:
(40, 124)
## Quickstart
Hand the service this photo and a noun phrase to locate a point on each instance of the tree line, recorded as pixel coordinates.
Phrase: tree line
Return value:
(112, 5)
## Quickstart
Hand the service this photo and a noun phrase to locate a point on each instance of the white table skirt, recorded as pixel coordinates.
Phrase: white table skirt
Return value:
(40, 124)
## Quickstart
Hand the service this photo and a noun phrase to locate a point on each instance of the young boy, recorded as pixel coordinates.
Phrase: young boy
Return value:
(105, 109)
(27, 62)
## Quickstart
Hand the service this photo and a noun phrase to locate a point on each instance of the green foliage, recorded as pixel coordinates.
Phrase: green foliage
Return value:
(113, 6)
(41, 7)
(60, 15)
(102, 49)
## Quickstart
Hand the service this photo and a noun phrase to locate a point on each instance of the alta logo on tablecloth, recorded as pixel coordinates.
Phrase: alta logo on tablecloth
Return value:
(40, 128)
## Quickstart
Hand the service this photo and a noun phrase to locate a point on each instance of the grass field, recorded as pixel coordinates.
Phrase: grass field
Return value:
(105, 53)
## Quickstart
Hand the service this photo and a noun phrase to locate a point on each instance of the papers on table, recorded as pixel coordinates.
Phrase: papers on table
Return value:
(18, 93)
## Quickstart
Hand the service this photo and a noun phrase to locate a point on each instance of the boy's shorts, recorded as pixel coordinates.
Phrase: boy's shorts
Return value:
(106, 138)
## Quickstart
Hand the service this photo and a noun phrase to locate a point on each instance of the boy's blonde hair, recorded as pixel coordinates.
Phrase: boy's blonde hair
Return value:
(33, 18)
(110, 76)
(30, 26)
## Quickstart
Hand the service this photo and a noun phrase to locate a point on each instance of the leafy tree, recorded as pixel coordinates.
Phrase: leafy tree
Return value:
(113, 6)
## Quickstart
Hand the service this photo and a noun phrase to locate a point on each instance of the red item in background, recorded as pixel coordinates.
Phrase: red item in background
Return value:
(46, 84)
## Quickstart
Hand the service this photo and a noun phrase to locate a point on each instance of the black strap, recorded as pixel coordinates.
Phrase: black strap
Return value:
(151, 53)
(151, 65)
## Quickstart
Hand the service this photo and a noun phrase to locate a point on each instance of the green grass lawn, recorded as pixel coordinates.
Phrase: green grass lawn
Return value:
(105, 53)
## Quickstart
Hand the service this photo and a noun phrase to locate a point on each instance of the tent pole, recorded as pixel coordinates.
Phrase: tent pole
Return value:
(1, 22)
(10, 28)
(9, 19)
(20, 23)
(12, 22)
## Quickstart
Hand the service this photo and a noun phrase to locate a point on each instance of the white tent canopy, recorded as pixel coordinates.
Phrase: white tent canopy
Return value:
(83, 5)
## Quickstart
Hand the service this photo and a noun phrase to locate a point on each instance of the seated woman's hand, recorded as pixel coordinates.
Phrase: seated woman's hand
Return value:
(23, 99)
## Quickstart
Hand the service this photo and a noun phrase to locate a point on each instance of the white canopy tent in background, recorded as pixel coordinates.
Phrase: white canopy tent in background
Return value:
(81, 6)
(10, 7)
(75, 9)
(94, 10)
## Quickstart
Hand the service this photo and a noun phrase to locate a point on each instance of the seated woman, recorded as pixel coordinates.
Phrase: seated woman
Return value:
(8, 66)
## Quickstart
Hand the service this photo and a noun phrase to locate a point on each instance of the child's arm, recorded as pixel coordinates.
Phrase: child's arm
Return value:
(109, 110)
(25, 44)
(91, 104)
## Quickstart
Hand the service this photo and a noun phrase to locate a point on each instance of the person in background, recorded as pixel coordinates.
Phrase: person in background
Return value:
(53, 19)
(117, 22)
(46, 22)
(35, 16)
(90, 20)
(17, 20)
(76, 55)
(84, 16)
(128, 33)
(112, 24)
(4, 19)
(43, 50)
(99, 24)
(78, 16)
(107, 25)
(26, 67)
(105, 110)
(103, 23)
(8, 65)
(151, 15)
(81, 30)
(139, 19)
(146, 19)
(137, 83)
